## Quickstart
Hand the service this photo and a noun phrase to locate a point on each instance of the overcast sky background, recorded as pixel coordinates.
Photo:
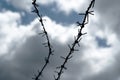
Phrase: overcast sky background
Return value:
(22, 52)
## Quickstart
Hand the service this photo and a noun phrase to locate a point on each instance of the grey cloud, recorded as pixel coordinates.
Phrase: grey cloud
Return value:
(111, 73)
(109, 14)
(29, 57)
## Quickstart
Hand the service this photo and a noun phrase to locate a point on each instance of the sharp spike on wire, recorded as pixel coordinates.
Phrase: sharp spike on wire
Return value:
(69, 46)
(81, 14)
(70, 57)
(62, 57)
(78, 23)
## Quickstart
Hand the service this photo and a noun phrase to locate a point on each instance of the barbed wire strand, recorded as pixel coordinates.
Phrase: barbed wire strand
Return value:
(76, 41)
(47, 44)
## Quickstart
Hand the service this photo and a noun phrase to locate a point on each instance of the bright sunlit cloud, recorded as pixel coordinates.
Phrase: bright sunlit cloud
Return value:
(11, 31)
(60, 32)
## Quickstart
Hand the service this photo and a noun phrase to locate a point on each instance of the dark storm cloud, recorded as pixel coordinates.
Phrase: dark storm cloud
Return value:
(109, 11)
(29, 57)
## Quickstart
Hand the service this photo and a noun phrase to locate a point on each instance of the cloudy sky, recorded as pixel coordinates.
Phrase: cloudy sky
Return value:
(22, 52)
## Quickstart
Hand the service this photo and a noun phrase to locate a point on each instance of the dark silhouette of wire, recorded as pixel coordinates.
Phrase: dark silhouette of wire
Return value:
(76, 41)
(47, 44)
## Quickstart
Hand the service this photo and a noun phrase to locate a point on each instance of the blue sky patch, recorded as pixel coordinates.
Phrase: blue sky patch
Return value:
(102, 42)
(45, 10)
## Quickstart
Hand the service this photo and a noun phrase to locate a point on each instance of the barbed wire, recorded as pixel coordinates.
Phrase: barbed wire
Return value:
(46, 44)
(77, 40)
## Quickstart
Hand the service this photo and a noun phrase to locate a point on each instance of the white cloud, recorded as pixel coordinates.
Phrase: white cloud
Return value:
(11, 32)
(58, 31)
(71, 5)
